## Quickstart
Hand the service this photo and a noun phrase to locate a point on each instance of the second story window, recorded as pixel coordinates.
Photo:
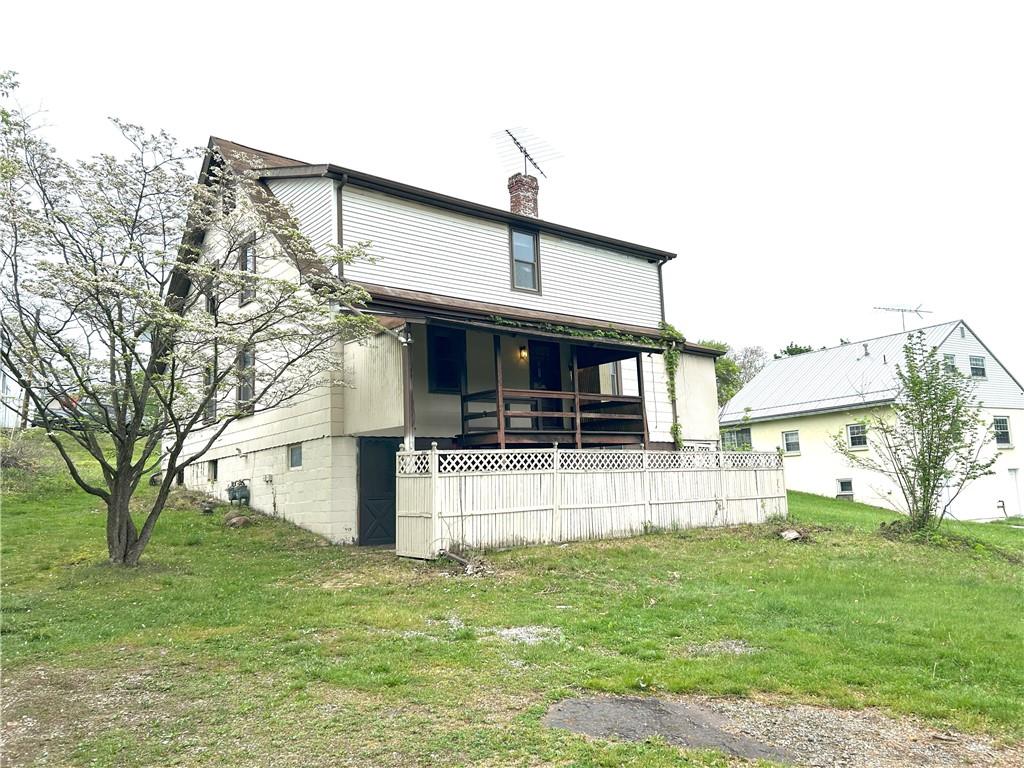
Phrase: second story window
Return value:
(949, 363)
(978, 367)
(525, 260)
(247, 263)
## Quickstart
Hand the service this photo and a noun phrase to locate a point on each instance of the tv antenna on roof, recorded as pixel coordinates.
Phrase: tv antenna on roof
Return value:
(542, 151)
(904, 311)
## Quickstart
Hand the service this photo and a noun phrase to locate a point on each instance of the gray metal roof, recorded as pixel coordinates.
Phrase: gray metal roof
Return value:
(850, 375)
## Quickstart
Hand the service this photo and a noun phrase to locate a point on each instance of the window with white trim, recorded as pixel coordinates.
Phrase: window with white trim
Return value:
(856, 435)
(844, 488)
(949, 363)
(524, 246)
(1001, 427)
(736, 439)
(211, 470)
(978, 367)
(791, 441)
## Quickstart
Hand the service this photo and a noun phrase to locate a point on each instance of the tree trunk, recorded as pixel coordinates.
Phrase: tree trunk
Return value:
(121, 531)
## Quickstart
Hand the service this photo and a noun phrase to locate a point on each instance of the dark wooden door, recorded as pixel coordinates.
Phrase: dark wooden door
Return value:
(546, 373)
(377, 489)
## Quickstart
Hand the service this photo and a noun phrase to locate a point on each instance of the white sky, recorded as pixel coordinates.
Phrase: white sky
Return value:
(807, 161)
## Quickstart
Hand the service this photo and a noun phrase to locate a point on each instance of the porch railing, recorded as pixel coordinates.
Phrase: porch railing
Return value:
(577, 417)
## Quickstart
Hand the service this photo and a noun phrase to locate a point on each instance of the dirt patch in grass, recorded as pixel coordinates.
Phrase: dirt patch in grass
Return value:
(47, 711)
(790, 733)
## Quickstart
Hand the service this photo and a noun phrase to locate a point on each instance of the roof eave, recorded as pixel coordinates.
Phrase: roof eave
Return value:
(458, 205)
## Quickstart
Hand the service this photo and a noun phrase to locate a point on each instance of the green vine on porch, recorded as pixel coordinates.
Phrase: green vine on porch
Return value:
(670, 340)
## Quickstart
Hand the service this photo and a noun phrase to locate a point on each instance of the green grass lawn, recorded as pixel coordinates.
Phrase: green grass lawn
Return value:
(261, 646)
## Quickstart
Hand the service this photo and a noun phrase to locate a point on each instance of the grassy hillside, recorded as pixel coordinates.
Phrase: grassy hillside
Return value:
(263, 646)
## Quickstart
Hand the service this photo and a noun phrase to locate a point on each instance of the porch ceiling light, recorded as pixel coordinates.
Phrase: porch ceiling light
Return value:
(523, 354)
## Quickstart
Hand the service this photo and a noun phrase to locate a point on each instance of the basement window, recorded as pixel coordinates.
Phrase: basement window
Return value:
(977, 367)
(295, 456)
(211, 471)
(844, 489)
(524, 247)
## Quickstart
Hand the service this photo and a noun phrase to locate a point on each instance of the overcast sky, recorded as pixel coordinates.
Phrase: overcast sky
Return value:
(807, 161)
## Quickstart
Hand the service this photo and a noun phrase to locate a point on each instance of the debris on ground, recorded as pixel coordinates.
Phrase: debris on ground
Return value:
(798, 734)
(238, 521)
(471, 566)
(790, 534)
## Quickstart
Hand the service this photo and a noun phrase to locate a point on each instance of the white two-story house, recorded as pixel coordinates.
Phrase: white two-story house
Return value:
(798, 405)
(499, 330)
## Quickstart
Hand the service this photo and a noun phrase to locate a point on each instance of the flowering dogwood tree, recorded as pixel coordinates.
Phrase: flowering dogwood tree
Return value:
(133, 314)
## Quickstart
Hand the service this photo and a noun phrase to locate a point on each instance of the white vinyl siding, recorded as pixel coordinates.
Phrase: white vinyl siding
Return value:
(423, 248)
(997, 389)
(312, 203)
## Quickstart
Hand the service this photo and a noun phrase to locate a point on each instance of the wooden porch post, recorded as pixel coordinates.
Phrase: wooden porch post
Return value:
(576, 397)
(640, 386)
(499, 391)
(408, 413)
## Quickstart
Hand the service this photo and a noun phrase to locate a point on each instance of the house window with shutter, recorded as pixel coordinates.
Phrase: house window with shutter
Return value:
(524, 252)
(446, 359)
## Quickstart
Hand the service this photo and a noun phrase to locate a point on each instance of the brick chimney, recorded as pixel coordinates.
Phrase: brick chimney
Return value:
(522, 192)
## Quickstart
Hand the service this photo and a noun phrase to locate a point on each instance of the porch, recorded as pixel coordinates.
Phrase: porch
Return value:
(481, 385)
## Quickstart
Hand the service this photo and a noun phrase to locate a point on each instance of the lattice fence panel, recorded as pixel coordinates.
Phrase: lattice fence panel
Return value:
(459, 462)
(682, 460)
(413, 463)
(599, 461)
(751, 460)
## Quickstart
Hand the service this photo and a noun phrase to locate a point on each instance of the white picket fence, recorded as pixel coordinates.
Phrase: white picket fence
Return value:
(458, 500)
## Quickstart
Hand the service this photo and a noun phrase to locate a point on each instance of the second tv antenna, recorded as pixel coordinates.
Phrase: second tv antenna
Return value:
(904, 311)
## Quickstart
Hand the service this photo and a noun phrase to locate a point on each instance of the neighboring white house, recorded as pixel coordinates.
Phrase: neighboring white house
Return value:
(499, 330)
(796, 404)
(11, 401)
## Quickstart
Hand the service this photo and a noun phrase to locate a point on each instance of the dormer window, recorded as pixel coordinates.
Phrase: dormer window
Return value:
(523, 245)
